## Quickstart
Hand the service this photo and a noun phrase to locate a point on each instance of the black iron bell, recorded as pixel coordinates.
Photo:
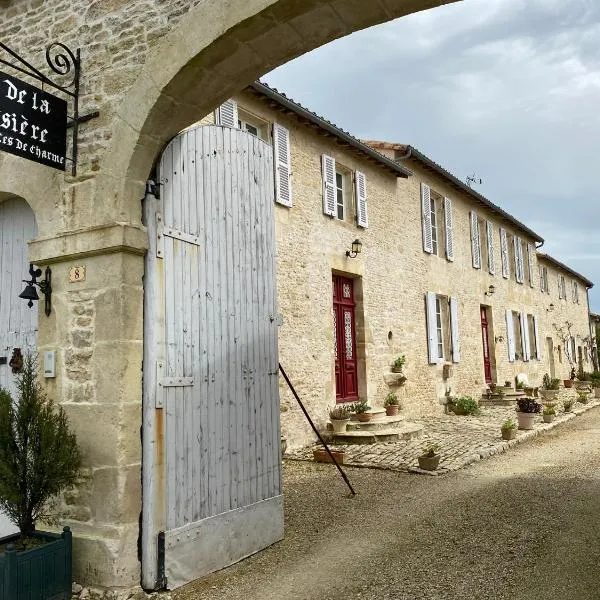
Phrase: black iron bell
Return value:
(29, 293)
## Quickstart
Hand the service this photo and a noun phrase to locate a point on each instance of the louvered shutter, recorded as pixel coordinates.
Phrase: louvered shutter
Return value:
(510, 336)
(560, 290)
(536, 332)
(328, 185)
(454, 328)
(227, 114)
(475, 241)
(449, 229)
(426, 217)
(504, 254)
(531, 266)
(283, 167)
(518, 259)
(489, 229)
(525, 337)
(432, 335)
(361, 199)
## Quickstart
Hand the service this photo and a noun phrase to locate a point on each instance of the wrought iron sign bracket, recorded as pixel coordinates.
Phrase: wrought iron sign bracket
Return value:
(63, 62)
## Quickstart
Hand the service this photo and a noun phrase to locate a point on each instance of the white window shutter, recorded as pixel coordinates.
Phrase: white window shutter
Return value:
(426, 216)
(475, 241)
(454, 327)
(329, 190)
(525, 346)
(449, 229)
(530, 264)
(360, 180)
(568, 349)
(283, 166)
(559, 287)
(432, 335)
(518, 259)
(489, 230)
(504, 254)
(227, 114)
(536, 332)
(510, 336)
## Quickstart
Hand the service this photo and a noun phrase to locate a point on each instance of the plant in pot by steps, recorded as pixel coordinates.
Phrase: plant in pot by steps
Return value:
(568, 405)
(39, 459)
(583, 396)
(465, 405)
(527, 408)
(509, 429)
(340, 417)
(549, 412)
(398, 364)
(549, 389)
(361, 409)
(568, 383)
(595, 377)
(391, 404)
(430, 459)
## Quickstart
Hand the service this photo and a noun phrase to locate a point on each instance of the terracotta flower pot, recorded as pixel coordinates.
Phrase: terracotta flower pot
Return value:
(429, 463)
(364, 417)
(568, 383)
(391, 410)
(339, 425)
(509, 434)
(321, 455)
(525, 420)
(548, 418)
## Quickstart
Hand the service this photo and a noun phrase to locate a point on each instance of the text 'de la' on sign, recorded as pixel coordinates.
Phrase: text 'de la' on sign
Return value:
(33, 123)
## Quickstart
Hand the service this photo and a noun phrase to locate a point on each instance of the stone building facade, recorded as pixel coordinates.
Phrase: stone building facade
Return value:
(489, 266)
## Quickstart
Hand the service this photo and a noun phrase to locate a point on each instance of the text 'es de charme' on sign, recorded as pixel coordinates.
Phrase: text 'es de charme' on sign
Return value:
(33, 123)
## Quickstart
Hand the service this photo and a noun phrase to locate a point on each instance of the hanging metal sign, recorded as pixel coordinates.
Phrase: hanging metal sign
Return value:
(33, 123)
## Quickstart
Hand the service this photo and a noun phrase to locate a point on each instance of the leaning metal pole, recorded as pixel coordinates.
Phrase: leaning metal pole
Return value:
(317, 431)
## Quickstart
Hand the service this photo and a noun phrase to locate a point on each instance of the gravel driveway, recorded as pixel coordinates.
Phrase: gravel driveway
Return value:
(521, 525)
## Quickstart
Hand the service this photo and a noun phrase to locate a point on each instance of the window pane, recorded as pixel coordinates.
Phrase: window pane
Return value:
(339, 182)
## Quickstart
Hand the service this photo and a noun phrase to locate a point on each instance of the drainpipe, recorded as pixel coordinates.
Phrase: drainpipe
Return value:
(541, 244)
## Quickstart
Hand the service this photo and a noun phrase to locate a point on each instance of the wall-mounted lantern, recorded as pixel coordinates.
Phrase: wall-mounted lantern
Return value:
(499, 339)
(356, 249)
(490, 290)
(550, 308)
(30, 293)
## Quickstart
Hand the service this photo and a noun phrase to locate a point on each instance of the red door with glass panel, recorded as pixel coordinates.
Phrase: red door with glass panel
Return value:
(487, 365)
(346, 380)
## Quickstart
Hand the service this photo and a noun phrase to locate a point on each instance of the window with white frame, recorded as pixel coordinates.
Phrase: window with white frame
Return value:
(343, 197)
(575, 292)
(436, 215)
(562, 289)
(519, 354)
(523, 336)
(339, 201)
(442, 328)
(544, 279)
(534, 351)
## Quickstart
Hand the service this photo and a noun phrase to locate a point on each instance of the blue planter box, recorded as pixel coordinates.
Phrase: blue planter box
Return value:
(42, 573)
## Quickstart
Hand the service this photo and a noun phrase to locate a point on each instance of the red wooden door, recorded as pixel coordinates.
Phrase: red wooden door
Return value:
(486, 345)
(346, 380)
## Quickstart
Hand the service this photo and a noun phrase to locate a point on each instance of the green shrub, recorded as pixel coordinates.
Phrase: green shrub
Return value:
(431, 449)
(39, 456)
(399, 362)
(391, 400)
(466, 405)
(509, 424)
(549, 409)
(360, 407)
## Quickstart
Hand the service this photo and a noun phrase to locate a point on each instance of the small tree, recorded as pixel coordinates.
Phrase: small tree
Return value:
(39, 456)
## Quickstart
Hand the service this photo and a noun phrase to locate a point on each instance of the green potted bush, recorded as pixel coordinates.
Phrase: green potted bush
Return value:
(568, 405)
(549, 389)
(391, 404)
(39, 459)
(465, 405)
(430, 458)
(361, 410)
(595, 378)
(549, 412)
(398, 364)
(340, 417)
(508, 430)
(583, 396)
(527, 408)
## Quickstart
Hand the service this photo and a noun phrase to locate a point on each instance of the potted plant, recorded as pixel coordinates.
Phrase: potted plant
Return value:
(527, 408)
(39, 459)
(465, 405)
(584, 380)
(519, 384)
(509, 429)
(595, 377)
(583, 396)
(392, 404)
(361, 408)
(321, 455)
(568, 405)
(340, 417)
(568, 383)
(508, 384)
(398, 364)
(430, 459)
(549, 389)
(549, 412)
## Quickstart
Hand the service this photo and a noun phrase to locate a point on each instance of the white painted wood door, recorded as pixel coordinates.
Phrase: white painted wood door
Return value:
(211, 460)
(18, 322)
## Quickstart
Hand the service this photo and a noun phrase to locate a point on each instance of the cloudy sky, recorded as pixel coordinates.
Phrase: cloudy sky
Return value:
(506, 89)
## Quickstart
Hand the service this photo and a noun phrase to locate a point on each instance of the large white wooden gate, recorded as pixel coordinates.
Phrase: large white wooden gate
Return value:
(211, 451)
(18, 322)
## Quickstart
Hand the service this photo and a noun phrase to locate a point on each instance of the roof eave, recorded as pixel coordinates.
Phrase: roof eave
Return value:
(589, 284)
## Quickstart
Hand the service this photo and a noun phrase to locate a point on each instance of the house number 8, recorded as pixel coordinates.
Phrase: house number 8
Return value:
(76, 274)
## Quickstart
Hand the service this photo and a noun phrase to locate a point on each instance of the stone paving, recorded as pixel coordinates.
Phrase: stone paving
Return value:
(462, 439)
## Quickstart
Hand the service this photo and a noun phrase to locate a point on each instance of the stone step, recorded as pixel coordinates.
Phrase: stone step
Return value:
(385, 422)
(497, 401)
(409, 431)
